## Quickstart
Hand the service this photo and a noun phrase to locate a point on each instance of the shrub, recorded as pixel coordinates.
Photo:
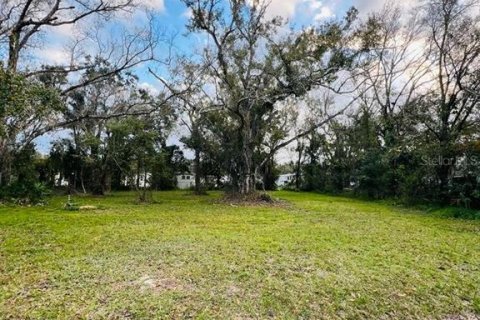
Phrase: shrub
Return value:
(24, 192)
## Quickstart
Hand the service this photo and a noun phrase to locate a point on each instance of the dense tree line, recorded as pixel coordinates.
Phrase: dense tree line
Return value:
(382, 106)
(415, 133)
(85, 96)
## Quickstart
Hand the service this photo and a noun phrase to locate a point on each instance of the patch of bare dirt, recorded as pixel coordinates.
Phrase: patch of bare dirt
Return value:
(233, 290)
(253, 199)
(88, 207)
(161, 284)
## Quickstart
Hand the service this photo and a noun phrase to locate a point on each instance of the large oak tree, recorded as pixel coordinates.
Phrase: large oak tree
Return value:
(257, 65)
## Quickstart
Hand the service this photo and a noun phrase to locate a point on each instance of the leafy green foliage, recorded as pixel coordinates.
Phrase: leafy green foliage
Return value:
(25, 104)
(25, 193)
(21, 97)
(26, 187)
(358, 155)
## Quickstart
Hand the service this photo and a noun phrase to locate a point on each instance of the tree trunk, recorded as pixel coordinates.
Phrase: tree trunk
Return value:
(299, 166)
(6, 159)
(82, 179)
(247, 176)
(104, 183)
(13, 51)
(446, 153)
(444, 170)
(197, 173)
(5, 168)
(137, 182)
(247, 185)
(144, 190)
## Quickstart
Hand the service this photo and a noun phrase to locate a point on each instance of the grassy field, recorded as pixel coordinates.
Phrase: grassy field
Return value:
(192, 257)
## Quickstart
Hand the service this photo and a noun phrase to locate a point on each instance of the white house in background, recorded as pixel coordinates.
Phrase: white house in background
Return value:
(185, 181)
(60, 182)
(285, 179)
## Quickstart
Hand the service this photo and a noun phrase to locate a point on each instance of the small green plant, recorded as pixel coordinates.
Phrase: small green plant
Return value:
(70, 205)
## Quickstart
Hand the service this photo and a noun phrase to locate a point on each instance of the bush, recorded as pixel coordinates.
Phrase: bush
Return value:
(24, 193)
(457, 213)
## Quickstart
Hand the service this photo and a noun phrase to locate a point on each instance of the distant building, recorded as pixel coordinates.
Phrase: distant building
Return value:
(285, 179)
(185, 181)
(60, 181)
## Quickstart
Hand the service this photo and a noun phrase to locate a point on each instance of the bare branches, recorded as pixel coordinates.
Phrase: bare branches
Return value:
(455, 53)
(20, 21)
(132, 51)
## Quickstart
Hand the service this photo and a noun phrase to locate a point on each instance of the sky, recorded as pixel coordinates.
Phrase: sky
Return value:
(172, 16)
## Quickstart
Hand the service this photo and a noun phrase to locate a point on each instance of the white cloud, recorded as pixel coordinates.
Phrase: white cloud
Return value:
(283, 8)
(65, 30)
(53, 55)
(367, 6)
(187, 13)
(313, 5)
(288, 9)
(324, 13)
(153, 4)
(322, 10)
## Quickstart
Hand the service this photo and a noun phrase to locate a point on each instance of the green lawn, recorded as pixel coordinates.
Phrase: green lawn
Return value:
(192, 257)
